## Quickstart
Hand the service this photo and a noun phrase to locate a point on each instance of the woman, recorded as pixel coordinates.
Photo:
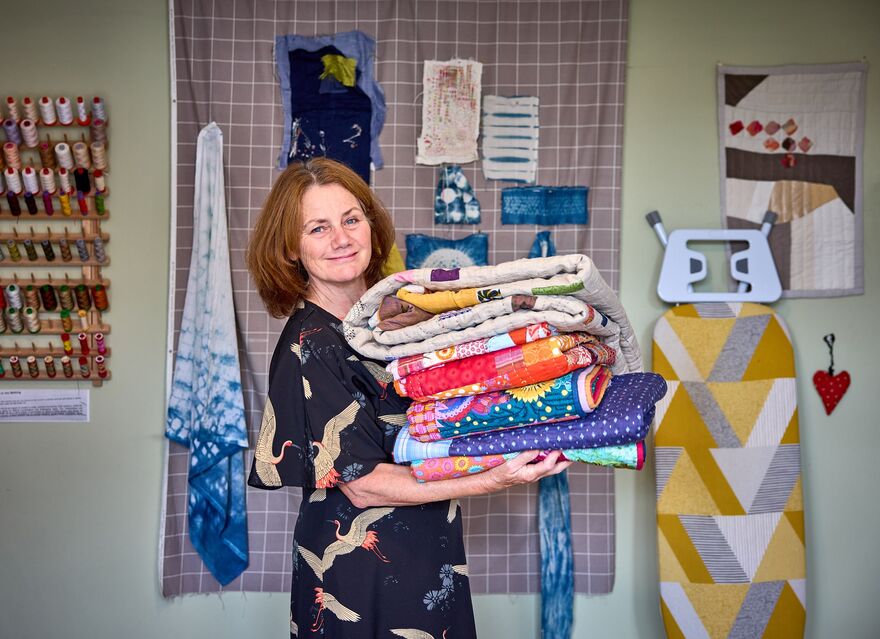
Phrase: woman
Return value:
(376, 554)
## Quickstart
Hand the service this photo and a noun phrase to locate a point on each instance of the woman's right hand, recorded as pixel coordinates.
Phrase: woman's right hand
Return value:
(519, 471)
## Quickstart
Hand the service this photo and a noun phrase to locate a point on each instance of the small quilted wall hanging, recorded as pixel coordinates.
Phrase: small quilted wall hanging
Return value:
(454, 202)
(424, 251)
(510, 138)
(450, 112)
(791, 142)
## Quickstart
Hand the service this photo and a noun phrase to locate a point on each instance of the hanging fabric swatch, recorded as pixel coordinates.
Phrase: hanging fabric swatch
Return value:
(454, 202)
(510, 138)
(316, 87)
(424, 251)
(543, 245)
(206, 407)
(450, 112)
(544, 205)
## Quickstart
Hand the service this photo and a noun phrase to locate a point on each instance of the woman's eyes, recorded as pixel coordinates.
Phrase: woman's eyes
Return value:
(349, 222)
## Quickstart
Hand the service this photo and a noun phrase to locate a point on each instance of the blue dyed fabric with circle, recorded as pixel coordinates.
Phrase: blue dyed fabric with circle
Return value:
(425, 251)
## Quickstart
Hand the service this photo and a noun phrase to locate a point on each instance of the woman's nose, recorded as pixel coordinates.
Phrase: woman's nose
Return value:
(339, 237)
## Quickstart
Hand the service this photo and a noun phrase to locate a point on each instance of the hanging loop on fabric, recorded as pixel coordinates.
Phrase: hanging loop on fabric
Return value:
(829, 340)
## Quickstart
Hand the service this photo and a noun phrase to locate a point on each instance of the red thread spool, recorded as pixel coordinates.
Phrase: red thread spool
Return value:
(49, 362)
(65, 343)
(102, 369)
(66, 366)
(16, 366)
(83, 343)
(84, 367)
(33, 369)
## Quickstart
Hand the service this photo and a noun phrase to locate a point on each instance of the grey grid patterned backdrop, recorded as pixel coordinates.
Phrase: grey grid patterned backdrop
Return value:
(571, 54)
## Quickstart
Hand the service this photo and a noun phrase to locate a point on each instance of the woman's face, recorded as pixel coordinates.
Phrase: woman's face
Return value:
(335, 247)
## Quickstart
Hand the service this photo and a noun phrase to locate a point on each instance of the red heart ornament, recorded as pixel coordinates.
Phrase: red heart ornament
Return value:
(831, 388)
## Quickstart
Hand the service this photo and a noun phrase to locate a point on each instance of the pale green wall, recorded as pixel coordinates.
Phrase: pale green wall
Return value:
(79, 504)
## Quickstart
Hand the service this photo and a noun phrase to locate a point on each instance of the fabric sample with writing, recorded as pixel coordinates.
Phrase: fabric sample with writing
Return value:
(510, 138)
(454, 202)
(424, 251)
(544, 205)
(450, 112)
(792, 141)
(206, 407)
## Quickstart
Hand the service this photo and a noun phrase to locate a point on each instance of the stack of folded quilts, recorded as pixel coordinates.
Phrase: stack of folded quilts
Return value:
(498, 363)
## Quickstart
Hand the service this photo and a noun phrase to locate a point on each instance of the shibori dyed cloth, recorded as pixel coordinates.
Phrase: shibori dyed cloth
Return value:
(570, 396)
(626, 456)
(593, 308)
(415, 363)
(623, 417)
(510, 138)
(529, 363)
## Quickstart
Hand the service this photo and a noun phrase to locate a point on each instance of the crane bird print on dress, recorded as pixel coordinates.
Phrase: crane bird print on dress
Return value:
(265, 460)
(296, 349)
(329, 449)
(412, 633)
(357, 537)
(326, 601)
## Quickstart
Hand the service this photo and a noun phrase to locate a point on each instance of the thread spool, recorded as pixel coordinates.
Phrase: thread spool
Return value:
(100, 184)
(13, 133)
(14, 206)
(48, 251)
(47, 203)
(65, 344)
(82, 112)
(13, 296)
(11, 155)
(64, 247)
(47, 111)
(15, 365)
(99, 295)
(64, 198)
(47, 180)
(31, 182)
(29, 133)
(83, 250)
(81, 155)
(3, 321)
(64, 178)
(102, 368)
(82, 202)
(2, 370)
(83, 343)
(31, 296)
(49, 363)
(83, 319)
(2, 257)
(13, 320)
(100, 344)
(30, 109)
(98, 108)
(33, 368)
(12, 109)
(65, 111)
(98, 131)
(31, 250)
(47, 155)
(81, 179)
(66, 367)
(83, 300)
(14, 253)
(13, 180)
(31, 203)
(99, 155)
(48, 298)
(99, 202)
(100, 253)
(65, 297)
(64, 156)
(66, 322)
(32, 319)
(84, 367)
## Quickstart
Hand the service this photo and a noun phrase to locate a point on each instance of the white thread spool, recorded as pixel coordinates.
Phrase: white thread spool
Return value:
(2, 322)
(65, 111)
(81, 155)
(98, 156)
(100, 255)
(47, 111)
(32, 319)
(82, 113)
(30, 109)
(29, 133)
(31, 183)
(100, 184)
(12, 108)
(62, 153)
(47, 181)
(98, 109)
(13, 181)
(13, 318)
(64, 176)
(10, 152)
(13, 296)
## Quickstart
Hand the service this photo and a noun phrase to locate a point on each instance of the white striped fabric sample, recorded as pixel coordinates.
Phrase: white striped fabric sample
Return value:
(510, 138)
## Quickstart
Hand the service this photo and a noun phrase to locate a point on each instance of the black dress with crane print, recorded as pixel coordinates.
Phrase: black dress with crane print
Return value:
(331, 417)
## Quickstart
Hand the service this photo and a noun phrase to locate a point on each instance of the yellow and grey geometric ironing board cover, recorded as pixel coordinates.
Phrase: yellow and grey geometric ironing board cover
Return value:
(730, 515)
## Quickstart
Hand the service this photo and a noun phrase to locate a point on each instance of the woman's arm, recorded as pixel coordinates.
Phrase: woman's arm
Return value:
(393, 485)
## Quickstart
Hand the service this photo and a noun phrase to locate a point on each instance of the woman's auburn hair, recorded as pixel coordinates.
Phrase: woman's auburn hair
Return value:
(282, 281)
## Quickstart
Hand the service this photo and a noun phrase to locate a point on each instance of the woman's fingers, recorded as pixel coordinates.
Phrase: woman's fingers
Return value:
(522, 459)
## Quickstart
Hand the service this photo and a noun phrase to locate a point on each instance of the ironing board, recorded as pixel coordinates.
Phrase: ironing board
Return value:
(730, 514)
